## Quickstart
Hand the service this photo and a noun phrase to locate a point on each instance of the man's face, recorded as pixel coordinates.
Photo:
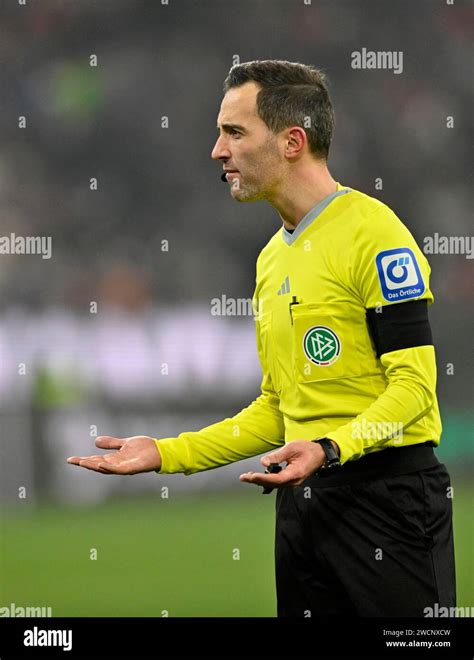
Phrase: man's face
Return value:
(248, 149)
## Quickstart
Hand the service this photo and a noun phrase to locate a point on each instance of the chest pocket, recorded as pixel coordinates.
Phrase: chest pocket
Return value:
(330, 341)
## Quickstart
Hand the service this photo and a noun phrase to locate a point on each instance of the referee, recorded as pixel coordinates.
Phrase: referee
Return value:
(348, 405)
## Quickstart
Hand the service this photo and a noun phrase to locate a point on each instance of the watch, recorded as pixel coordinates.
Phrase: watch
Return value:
(332, 457)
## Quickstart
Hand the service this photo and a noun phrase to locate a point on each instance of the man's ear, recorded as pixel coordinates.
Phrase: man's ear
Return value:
(295, 141)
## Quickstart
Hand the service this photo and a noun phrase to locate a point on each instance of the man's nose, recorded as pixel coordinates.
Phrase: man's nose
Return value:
(220, 151)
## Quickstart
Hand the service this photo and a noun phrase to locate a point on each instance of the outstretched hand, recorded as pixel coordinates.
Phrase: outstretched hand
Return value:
(303, 458)
(134, 455)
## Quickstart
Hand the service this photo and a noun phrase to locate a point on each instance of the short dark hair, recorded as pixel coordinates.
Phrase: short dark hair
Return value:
(291, 94)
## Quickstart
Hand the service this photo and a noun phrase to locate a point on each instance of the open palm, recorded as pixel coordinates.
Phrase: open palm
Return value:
(133, 455)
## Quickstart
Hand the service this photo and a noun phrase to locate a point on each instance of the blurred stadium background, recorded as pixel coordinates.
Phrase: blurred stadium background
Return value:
(88, 374)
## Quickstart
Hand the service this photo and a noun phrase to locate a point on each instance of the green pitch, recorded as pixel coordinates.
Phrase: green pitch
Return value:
(200, 555)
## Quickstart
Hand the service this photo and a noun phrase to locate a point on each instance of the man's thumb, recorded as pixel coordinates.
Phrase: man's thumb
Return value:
(108, 442)
(276, 457)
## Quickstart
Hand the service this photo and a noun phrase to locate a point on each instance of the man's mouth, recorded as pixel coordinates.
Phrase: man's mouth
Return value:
(227, 175)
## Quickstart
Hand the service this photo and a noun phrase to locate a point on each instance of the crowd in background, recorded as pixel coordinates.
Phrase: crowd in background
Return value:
(126, 93)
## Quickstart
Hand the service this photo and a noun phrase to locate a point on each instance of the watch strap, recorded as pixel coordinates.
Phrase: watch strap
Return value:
(332, 457)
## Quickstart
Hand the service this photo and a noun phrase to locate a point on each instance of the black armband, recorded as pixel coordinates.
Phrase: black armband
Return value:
(401, 325)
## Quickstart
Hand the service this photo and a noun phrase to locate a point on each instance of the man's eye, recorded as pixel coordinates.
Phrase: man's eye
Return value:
(236, 135)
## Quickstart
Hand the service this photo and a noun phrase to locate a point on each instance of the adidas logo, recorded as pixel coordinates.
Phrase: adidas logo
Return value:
(285, 287)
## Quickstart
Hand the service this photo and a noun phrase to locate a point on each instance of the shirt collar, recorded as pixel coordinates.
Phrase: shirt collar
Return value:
(312, 215)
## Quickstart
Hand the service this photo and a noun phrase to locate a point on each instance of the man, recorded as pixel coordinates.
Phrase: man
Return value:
(348, 391)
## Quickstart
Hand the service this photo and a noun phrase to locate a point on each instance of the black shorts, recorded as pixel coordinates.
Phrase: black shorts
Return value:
(355, 543)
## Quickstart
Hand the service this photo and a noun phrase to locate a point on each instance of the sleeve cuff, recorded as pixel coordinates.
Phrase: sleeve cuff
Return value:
(174, 456)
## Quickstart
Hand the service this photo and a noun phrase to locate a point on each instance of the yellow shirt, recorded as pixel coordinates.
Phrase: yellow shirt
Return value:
(321, 375)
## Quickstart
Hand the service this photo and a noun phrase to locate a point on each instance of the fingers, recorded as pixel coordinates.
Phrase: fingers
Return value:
(289, 476)
(89, 462)
(276, 457)
(107, 468)
(75, 460)
(101, 463)
(93, 462)
(283, 454)
(108, 442)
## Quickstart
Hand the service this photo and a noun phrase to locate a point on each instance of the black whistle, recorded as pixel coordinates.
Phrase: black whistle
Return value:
(273, 468)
